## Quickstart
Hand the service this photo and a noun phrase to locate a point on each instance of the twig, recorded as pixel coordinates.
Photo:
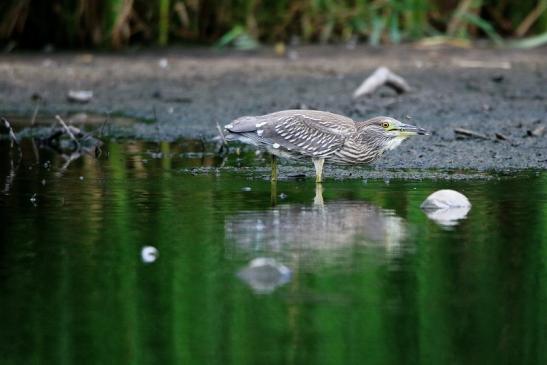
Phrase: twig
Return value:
(382, 76)
(68, 131)
(221, 135)
(34, 114)
(502, 137)
(32, 121)
(466, 133)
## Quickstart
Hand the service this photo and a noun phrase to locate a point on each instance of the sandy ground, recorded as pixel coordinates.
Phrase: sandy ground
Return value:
(489, 91)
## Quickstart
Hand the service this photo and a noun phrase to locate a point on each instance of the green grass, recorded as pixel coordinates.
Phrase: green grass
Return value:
(119, 23)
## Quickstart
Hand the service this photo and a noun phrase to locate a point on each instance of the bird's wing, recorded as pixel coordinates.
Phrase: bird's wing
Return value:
(308, 133)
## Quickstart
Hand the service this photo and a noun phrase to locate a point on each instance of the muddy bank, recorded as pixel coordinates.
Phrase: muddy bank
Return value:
(187, 92)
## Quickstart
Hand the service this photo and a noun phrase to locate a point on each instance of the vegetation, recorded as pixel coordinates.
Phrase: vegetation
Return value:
(119, 23)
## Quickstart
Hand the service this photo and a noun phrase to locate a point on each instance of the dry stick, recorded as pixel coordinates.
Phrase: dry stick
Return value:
(530, 19)
(382, 76)
(68, 131)
(34, 114)
(503, 137)
(221, 134)
(461, 132)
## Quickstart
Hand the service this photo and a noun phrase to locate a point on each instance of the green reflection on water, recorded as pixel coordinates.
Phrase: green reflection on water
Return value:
(74, 289)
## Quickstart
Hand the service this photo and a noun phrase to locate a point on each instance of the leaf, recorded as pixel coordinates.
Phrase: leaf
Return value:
(377, 29)
(485, 26)
(239, 38)
(530, 42)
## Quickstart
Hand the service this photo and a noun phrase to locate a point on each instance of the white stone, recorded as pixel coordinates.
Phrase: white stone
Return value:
(80, 96)
(259, 132)
(446, 207)
(275, 145)
(443, 199)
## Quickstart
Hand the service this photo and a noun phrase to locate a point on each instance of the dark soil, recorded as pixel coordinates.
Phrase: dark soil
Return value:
(484, 90)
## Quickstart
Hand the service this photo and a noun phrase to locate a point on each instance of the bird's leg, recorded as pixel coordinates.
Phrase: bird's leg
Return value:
(318, 163)
(274, 168)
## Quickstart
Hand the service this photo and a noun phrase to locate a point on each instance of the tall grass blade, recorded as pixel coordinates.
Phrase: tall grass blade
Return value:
(163, 26)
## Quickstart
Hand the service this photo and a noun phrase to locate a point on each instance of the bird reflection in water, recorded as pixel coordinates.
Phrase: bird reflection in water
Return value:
(314, 235)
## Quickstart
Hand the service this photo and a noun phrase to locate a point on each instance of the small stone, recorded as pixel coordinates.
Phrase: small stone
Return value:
(163, 63)
(80, 96)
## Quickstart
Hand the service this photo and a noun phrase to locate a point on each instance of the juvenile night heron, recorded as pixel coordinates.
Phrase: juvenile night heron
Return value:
(320, 136)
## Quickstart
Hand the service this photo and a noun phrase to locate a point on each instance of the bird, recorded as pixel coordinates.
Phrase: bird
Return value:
(320, 136)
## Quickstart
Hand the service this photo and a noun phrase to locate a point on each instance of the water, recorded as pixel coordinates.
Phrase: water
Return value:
(372, 279)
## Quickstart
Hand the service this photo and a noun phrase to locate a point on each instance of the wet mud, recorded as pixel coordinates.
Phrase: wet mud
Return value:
(486, 91)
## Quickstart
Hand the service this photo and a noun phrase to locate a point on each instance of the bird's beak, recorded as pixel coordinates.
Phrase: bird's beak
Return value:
(411, 130)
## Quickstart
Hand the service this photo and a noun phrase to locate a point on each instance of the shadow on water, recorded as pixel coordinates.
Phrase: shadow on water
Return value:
(372, 278)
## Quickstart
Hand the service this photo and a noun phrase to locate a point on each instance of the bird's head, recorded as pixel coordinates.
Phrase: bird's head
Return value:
(385, 133)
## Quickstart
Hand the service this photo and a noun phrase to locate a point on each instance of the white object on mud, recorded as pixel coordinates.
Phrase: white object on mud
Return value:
(80, 96)
(446, 207)
(149, 254)
(264, 274)
(163, 63)
(382, 76)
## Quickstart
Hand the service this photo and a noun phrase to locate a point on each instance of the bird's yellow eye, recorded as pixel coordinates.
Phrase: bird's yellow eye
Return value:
(385, 125)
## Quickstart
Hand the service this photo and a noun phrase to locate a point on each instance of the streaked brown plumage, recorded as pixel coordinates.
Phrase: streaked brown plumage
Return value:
(321, 136)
